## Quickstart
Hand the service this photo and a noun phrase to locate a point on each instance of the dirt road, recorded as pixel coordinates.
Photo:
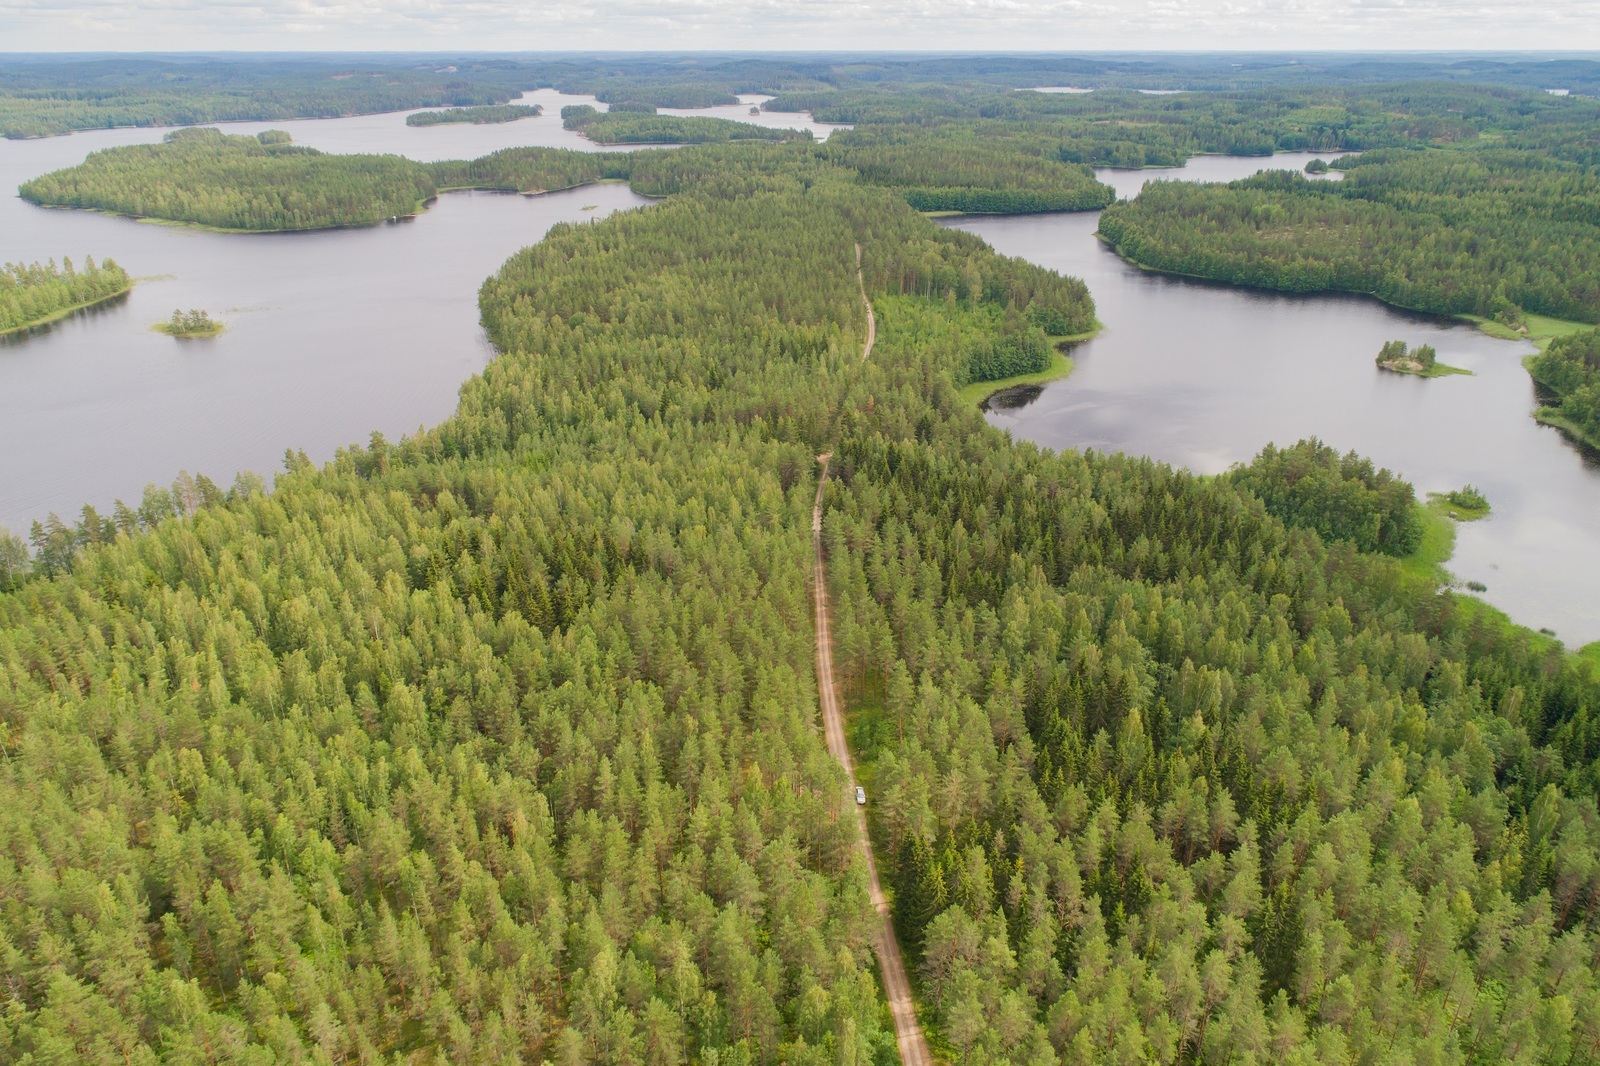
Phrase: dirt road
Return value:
(908, 1034)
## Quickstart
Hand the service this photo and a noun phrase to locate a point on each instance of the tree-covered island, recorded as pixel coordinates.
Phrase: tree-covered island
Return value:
(1421, 361)
(477, 116)
(190, 324)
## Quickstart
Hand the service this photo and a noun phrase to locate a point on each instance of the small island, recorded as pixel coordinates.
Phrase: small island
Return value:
(1466, 504)
(190, 324)
(477, 116)
(34, 294)
(1421, 361)
(1317, 166)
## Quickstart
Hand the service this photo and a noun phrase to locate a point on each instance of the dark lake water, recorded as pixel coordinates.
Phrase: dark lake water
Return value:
(1203, 375)
(331, 335)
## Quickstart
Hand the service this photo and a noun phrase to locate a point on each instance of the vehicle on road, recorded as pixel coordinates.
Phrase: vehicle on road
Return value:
(861, 796)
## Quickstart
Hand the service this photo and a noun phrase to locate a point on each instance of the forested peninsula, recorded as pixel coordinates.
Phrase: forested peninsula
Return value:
(33, 294)
(266, 184)
(1570, 369)
(1488, 232)
(498, 743)
(477, 116)
(639, 124)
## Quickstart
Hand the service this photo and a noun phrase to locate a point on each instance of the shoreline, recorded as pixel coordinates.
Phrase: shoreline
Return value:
(976, 393)
(1542, 328)
(57, 316)
(416, 212)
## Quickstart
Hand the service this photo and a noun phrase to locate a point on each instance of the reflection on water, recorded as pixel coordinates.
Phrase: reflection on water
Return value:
(1202, 375)
(23, 336)
(1012, 399)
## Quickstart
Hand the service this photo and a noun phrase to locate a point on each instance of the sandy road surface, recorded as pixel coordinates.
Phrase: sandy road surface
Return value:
(908, 1034)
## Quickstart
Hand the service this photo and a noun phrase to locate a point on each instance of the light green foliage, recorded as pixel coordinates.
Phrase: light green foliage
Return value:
(38, 292)
(1468, 498)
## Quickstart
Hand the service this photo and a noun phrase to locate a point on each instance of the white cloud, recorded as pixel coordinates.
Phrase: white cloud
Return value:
(511, 25)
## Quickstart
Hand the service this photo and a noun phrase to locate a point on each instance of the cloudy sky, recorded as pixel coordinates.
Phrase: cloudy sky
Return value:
(1035, 25)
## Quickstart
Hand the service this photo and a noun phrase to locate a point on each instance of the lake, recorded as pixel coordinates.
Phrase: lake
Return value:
(335, 334)
(331, 334)
(1202, 375)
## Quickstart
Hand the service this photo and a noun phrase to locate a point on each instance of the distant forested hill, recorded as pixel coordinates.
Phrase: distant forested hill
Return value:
(45, 95)
(41, 97)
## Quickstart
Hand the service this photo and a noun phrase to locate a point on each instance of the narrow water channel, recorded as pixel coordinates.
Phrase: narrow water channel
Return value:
(1202, 375)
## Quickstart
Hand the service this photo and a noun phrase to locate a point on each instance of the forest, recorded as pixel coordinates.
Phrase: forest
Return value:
(1488, 232)
(963, 169)
(639, 124)
(35, 293)
(476, 116)
(236, 182)
(1569, 368)
(47, 95)
(498, 743)
(267, 184)
(41, 97)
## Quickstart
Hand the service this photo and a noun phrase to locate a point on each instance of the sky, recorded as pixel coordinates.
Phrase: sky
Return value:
(967, 25)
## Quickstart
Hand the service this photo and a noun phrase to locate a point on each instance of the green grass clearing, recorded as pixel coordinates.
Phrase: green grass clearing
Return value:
(1438, 545)
(1540, 329)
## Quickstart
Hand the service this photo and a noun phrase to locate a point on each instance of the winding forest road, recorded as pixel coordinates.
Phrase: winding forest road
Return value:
(908, 1034)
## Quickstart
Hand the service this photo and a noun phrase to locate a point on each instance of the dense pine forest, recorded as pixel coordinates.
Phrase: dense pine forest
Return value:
(41, 97)
(35, 293)
(639, 124)
(476, 116)
(266, 184)
(46, 95)
(232, 182)
(499, 743)
(1493, 233)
